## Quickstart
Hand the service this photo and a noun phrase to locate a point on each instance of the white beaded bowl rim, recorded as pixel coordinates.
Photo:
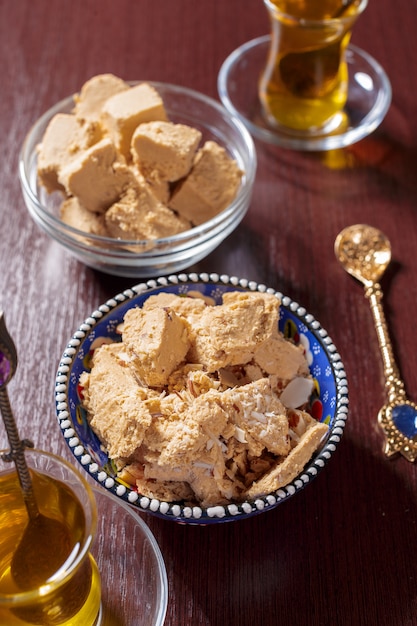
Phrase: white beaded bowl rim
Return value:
(66, 409)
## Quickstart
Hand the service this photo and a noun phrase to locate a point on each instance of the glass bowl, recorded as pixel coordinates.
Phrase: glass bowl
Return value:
(330, 405)
(166, 255)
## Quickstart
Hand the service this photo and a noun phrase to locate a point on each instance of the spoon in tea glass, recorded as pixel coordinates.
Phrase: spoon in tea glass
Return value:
(365, 253)
(45, 544)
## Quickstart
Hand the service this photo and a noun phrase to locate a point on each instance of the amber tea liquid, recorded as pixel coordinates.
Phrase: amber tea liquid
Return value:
(305, 82)
(74, 603)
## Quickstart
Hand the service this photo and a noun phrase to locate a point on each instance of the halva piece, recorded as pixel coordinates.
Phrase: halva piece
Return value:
(138, 215)
(119, 418)
(157, 340)
(74, 214)
(210, 187)
(100, 164)
(64, 139)
(124, 111)
(94, 93)
(165, 148)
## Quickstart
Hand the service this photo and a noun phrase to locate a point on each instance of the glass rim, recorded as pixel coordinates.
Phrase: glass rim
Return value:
(16, 599)
(315, 23)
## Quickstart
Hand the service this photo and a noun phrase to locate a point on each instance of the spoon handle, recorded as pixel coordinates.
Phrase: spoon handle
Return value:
(393, 383)
(17, 454)
(8, 355)
(8, 364)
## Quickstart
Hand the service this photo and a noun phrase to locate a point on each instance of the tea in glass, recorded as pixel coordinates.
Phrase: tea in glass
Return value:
(304, 85)
(40, 585)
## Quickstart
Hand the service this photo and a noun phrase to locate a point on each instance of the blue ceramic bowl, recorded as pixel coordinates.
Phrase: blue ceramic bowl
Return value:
(329, 404)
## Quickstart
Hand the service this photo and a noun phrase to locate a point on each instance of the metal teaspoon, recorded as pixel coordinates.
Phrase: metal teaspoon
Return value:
(365, 253)
(46, 542)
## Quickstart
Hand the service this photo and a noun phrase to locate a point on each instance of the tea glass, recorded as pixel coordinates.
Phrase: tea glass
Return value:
(304, 85)
(71, 594)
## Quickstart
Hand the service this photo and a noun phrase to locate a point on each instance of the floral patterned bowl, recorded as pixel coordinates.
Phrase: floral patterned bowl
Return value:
(329, 402)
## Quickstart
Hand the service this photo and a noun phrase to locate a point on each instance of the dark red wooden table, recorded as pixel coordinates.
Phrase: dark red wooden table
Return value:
(343, 551)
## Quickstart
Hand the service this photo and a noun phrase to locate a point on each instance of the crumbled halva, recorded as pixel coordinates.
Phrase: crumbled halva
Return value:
(219, 341)
(120, 419)
(285, 469)
(138, 215)
(206, 432)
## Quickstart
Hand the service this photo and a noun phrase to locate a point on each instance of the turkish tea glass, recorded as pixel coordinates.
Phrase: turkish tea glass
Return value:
(66, 592)
(304, 85)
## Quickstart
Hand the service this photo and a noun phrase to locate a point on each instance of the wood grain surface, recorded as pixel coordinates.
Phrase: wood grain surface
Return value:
(343, 551)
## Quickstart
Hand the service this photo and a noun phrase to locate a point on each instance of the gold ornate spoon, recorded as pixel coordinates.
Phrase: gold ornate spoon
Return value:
(365, 253)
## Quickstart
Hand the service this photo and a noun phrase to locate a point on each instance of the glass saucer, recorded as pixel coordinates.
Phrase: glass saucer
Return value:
(369, 98)
(133, 575)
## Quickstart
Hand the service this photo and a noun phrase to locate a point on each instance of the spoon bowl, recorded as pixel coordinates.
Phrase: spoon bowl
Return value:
(364, 252)
(44, 546)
